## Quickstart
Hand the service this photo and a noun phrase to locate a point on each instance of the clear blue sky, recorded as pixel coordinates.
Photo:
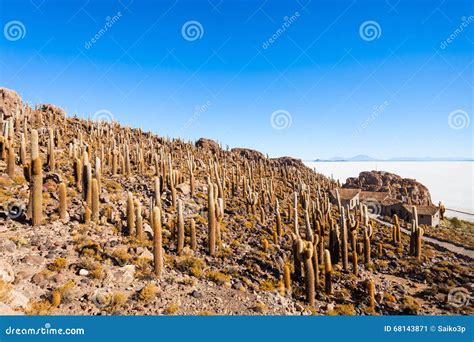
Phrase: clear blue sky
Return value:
(319, 69)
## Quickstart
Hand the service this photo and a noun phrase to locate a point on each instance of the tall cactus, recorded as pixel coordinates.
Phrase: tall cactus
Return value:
(211, 219)
(130, 214)
(62, 201)
(95, 200)
(180, 242)
(36, 187)
(307, 256)
(139, 221)
(327, 272)
(157, 241)
(192, 228)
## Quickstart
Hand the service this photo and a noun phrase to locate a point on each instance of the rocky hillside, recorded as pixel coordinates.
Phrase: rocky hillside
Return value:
(104, 219)
(403, 189)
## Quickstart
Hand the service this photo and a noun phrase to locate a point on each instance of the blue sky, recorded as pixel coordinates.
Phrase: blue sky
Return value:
(331, 87)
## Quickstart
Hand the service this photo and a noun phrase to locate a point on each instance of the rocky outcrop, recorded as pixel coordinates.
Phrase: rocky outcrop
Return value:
(50, 108)
(248, 153)
(289, 161)
(208, 144)
(403, 189)
(10, 101)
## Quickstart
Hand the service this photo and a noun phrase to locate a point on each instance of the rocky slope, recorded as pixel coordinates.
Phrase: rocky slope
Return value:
(240, 233)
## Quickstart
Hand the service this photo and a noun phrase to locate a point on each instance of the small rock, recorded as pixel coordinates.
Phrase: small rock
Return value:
(7, 246)
(18, 299)
(38, 279)
(6, 272)
(196, 294)
(299, 307)
(83, 272)
(32, 259)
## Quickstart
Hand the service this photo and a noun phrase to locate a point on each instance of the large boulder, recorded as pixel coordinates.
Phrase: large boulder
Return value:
(208, 144)
(10, 101)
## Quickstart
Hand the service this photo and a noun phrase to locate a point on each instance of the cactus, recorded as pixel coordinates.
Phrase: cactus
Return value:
(367, 235)
(327, 272)
(287, 277)
(192, 226)
(51, 155)
(316, 260)
(211, 219)
(157, 192)
(22, 149)
(180, 242)
(11, 161)
(371, 293)
(157, 241)
(62, 201)
(355, 260)
(130, 214)
(307, 256)
(36, 188)
(279, 229)
(344, 249)
(87, 214)
(139, 221)
(95, 200)
(418, 243)
(87, 181)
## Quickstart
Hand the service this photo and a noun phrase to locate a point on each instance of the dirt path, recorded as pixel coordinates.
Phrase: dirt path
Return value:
(443, 244)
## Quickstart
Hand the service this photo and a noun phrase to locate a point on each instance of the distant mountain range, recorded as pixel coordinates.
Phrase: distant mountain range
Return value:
(365, 158)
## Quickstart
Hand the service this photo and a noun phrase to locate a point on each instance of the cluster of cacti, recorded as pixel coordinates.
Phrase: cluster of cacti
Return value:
(289, 209)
